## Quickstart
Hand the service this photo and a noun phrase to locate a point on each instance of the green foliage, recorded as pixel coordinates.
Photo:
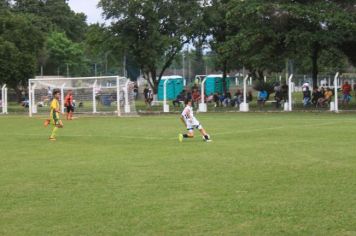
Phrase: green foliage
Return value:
(316, 27)
(62, 52)
(4, 4)
(262, 35)
(216, 19)
(153, 32)
(58, 14)
(259, 41)
(103, 48)
(20, 44)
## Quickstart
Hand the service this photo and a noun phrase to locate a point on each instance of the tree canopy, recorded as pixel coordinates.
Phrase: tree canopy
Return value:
(153, 32)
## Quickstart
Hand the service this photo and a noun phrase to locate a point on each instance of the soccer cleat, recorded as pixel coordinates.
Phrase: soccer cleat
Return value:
(52, 139)
(180, 137)
(208, 140)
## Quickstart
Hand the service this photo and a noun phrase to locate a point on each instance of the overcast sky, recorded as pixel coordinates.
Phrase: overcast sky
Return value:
(89, 7)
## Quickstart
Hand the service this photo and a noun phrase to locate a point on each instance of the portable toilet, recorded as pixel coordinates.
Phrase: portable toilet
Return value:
(214, 84)
(175, 86)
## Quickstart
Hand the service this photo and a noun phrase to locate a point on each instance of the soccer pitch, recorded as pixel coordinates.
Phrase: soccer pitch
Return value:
(264, 174)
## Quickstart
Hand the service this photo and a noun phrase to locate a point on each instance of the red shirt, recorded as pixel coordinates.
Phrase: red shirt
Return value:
(69, 100)
(196, 96)
(346, 89)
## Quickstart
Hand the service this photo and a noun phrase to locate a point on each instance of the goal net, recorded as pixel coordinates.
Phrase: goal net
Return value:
(111, 95)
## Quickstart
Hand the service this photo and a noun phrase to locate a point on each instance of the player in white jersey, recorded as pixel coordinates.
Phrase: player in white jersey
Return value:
(191, 123)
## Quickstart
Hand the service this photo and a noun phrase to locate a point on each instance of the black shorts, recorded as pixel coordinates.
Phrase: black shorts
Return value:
(70, 109)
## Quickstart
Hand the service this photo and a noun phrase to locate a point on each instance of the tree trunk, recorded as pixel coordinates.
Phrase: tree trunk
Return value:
(315, 68)
(224, 77)
(155, 81)
(18, 94)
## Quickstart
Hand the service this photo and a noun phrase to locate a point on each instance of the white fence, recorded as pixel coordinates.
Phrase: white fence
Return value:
(4, 102)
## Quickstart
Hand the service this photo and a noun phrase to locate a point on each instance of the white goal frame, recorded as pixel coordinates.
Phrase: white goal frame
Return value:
(122, 89)
(4, 103)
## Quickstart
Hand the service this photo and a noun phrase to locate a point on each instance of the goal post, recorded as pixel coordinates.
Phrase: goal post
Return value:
(107, 95)
(3, 102)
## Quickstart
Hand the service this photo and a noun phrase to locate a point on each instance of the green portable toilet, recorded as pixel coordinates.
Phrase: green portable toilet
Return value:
(214, 84)
(175, 86)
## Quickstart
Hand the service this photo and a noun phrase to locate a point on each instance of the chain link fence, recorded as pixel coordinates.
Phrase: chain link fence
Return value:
(219, 101)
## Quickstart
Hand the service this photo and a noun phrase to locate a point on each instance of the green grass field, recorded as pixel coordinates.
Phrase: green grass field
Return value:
(264, 174)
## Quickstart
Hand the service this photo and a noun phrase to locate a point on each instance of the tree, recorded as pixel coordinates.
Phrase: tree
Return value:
(4, 4)
(262, 35)
(57, 14)
(103, 49)
(258, 38)
(54, 16)
(316, 27)
(20, 43)
(215, 18)
(153, 31)
(72, 24)
(64, 53)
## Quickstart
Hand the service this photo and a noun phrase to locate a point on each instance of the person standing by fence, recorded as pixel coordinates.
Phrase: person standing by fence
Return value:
(346, 94)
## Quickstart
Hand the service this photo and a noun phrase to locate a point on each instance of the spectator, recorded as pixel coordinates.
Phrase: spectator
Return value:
(346, 92)
(326, 99)
(178, 100)
(189, 95)
(145, 93)
(249, 97)
(149, 98)
(278, 97)
(216, 99)
(195, 97)
(306, 86)
(306, 96)
(195, 87)
(221, 99)
(210, 98)
(227, 99)
(135, 90)
(284, 90)
(322, 90)
(262, 98)
(316, 96)
(237, 99)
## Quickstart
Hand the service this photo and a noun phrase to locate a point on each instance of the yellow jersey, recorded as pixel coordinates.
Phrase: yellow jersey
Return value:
(328, 95)
(54, 115)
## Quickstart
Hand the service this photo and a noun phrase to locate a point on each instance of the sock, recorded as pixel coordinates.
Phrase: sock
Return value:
(54, 132)
(206, 137)
(185, 136)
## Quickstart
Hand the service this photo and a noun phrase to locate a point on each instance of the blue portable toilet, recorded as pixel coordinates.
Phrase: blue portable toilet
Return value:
(214, 84)
(175, 86)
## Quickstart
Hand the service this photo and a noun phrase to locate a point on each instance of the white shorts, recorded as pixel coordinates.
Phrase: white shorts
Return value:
(194, 124)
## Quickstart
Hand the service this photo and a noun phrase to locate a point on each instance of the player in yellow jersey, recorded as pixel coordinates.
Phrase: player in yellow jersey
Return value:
(54, 115)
